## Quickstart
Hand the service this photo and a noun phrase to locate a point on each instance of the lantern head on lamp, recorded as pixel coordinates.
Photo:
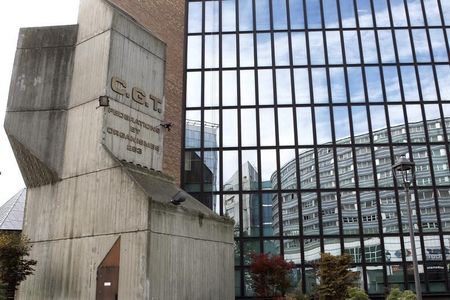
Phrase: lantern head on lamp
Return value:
(404, 169)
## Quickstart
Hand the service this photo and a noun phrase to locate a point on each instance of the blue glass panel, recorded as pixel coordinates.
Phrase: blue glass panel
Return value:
(245, 15)
(348, 14)
(279, 14)
(262, 15)
(296, 14)
(313, 11)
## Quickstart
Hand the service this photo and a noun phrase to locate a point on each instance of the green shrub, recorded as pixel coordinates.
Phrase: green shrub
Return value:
(355, 293)
(396, 294)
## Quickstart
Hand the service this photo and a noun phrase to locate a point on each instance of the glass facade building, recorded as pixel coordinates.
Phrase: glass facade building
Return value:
(312, 102)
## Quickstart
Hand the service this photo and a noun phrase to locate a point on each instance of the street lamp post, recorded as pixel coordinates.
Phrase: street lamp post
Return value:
(404, 169)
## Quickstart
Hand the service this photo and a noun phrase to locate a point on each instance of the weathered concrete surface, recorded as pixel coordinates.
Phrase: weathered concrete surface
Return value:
(82, 196)
(38, 98)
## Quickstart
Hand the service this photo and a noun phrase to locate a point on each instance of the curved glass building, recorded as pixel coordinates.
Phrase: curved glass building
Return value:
(313, 101)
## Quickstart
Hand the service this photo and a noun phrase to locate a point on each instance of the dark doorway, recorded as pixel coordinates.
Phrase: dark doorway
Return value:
(108, 274)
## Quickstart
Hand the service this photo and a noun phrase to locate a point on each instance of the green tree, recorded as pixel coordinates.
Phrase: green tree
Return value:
(14, 267)
(396, 294)
(270, 275)
(335, 277)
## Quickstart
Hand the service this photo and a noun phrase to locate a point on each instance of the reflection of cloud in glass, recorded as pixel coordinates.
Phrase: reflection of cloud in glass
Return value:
(193, 89)
(304, 126)
(212, 16)
(427, 83)
(285, 126)
(230, 131)
(211, 51)
(267, 126)
(301, 83)
(246, 50)
(337, 80)
(228, 15)
(373, 80)
(229, 95)
(323, 126)
(229, 50)
(351, 47)
(403, 46)
(279, 14)
(298, 48)
(341, 122)
(369, 46)
(247, 87)
(245, 15)
(262, 14)
(334, 47)
(320, 88)
(356, 85)
(211, 88)
(392, 84)
(248, 132)
(296, 14)
(359, 118)
(195, 17)
(284, 95)
(264, 49)
(316, 48)
(265, 86)
(409, 83)
(281, 49)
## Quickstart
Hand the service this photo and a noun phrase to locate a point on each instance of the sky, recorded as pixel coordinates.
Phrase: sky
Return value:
(14, 15)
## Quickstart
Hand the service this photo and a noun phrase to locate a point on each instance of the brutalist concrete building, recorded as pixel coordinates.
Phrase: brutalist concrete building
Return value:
(319, 98)
(92, 120)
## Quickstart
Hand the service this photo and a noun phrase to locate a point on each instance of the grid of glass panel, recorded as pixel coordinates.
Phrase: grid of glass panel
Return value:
(295, 112)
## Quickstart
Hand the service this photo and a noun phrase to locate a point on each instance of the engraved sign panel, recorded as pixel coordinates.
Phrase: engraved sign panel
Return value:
(135, 88)
(132, 135)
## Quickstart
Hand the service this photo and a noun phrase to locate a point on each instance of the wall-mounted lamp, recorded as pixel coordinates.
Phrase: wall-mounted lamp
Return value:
(103, 101)
(178, 198)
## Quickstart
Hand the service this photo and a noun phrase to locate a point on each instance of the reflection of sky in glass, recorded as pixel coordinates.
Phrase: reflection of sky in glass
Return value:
(427, 83)
(193, 89)
(301, 83)
(211, 51)
(246, 50)
(421, 45)
(409, 83)
(392, 84)
(247, 87)
(351, 47)
(432, 12)
(403, 46)
(396, 115)
(415, 12)
(359, 118)
(334, 47)
(229, 50)
(355, 82)
(194, 59)
(298, 48)
(414, 113)
(341, 123)
(281, 49)
(337, 80)
(264, 49)
(211, 88)
(443, 74)
(381, 13)
(284, 95)
(228, 15)
(347, 13)
(265, 89)
(438, 45)
(304, 126)
(262, 15)
(330, 14)
(230, 131)
(446, 11)
(313, 11)
(296, 14)
(248, 132)
(369, 46)
(320, 85)
(285, 126)
(245, 15)
(399, 14)
(195, 17)
(316, 48)
(212, 16)
(374, 84)
(279, 14)
(364, 13)
(229, 95)
(377, 117)
(323, 126)
(386, 46)
(267, 126)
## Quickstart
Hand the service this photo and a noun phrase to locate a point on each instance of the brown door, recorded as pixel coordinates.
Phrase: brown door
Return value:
(107, 283)
(108, 274)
